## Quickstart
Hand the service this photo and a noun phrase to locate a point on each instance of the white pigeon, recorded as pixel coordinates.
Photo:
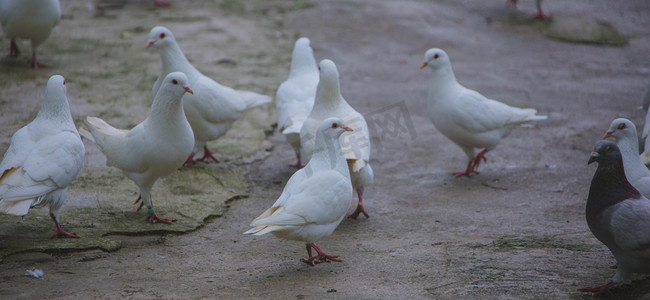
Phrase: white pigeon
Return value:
(645, 156)
(316, 197)
(618, 215)
(154, 148)
(356, 145)
(29, 19)
(295, 97)
(212, 108)
(624, 134)
(466, 117)
(43, 159)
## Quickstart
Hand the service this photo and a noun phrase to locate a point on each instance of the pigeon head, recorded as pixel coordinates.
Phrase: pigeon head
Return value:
(328, 86)
(302, 42)
(176, 83)
(160, 36)
(606, 153)
(56, 85)
(333, 127)
(621, 129)
(435, 58)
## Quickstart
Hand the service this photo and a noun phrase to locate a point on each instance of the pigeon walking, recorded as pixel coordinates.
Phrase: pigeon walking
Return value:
(356, 145)
(618, 215)
(154, 148)
(43, 159)
(316, 197)
(213, 108)
(295, 97)
(29, 19)
(466, 117)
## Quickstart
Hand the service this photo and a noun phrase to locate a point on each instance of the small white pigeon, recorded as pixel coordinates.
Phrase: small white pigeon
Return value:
(356, 145)
(43, 159)
(295, 97)
(29, 19)
(624, 133)
(152, 149)
(316, 197)
(213, 108)
(466, 117)
(618, 215)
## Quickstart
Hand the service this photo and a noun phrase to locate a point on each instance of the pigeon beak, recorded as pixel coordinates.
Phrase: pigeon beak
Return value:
(608, 134)
(594, 157)
(150, 43)
(424, 64)
(188, 89)
(346, 128)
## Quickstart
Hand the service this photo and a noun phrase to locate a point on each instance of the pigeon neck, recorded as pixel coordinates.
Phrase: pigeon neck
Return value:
(167, 108)
(632, 162)
(328, 154)
(302, 62)
(442, 78)
(174, 60)
(608, 187)
(328, 99)
(55, 108)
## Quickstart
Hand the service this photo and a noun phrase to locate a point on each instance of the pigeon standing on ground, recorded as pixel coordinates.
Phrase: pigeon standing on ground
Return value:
(540, 14)
(43, 159)
(618, 215)
(623, 132)
(213, 108)
(29, 19)
(154, 148)
(316, 197)
(356, 145)
(466, 117)
(295, 97)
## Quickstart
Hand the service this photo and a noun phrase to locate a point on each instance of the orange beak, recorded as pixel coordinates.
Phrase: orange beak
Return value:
(188, 89)
(608, 134)
(424, 64)
(346, 128)
(150, 43)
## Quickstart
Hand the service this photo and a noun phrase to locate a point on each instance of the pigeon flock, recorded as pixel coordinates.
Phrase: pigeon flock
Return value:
(330, 138)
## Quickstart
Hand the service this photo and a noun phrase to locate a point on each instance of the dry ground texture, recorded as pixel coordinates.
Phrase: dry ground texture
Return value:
(515, 231)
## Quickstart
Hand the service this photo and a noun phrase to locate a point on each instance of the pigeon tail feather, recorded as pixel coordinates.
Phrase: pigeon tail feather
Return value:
(253, 99)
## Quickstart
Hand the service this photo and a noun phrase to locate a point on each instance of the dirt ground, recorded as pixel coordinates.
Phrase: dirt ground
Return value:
(515, 231)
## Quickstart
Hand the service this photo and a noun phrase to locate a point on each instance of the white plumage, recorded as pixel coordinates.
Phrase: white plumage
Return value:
(154, 148)
(356, 145)
(213, 108)
(29, 19)
(43, 159)
(315, 199)
(295, 97)
(624, 134)
(466, 117)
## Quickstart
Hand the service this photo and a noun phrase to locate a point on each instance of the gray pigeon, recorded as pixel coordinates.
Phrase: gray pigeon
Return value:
(618, 215)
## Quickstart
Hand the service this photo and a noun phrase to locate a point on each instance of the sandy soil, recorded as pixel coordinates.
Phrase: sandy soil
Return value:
(515, 231)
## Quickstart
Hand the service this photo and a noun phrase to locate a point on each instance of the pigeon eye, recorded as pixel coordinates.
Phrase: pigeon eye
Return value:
(436, 56)
(622, 126)
(174, 81)
(162, 35)
(63, 81)
(334, 125)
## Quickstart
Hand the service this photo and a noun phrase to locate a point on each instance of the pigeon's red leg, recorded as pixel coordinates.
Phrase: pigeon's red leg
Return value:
(360, 208)
(207, 155)
(540, 14)
(310, 259)
(161, 3)
(13, 49)
(60, 232)
(597, 290)
(477, 160)
(467, 172)
(139, 200)
(298, 164)
(324, 257)
(34, 63)
(190, 160)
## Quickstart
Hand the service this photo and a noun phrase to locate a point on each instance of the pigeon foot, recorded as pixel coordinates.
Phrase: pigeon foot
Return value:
(597, 290)
(60, 232)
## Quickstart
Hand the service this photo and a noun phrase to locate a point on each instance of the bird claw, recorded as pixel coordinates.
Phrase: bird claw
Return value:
(64, 234)
(298, 165)
(318, 259)
(465, 173)
(139, 200)
(597, 290)
(359, 210)
(154, 218)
